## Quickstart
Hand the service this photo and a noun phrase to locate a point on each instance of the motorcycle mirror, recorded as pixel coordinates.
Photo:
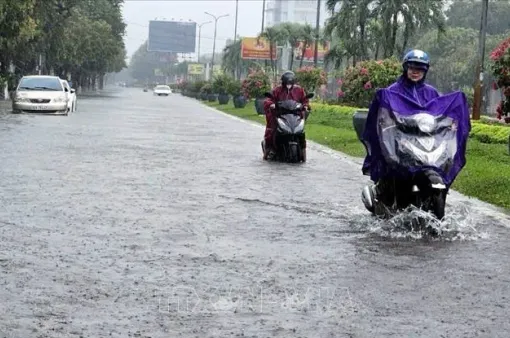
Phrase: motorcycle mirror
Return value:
(268, 95)
(310, 95)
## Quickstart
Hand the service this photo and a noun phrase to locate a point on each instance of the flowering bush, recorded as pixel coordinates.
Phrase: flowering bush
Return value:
(500, 57)
(256, 84)
(359, 83)
(311, 78)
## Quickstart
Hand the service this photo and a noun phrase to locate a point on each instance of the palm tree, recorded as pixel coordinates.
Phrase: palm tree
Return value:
(293, 34)
(274, 36)
(349, 21)
(232, 61)
(415, 14)
(307, 37)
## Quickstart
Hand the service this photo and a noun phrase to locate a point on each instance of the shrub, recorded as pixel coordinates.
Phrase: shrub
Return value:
(221, 84)
(311, 78)
(197, 86)
(256, 84)
(206, 89)
(487, 133)
(359, 83)
(235, 88)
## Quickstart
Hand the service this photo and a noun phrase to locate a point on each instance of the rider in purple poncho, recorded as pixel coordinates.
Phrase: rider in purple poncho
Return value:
(412, 84)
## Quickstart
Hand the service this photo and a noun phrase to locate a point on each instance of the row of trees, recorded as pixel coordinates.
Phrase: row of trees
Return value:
(360, 30)
(78, 39)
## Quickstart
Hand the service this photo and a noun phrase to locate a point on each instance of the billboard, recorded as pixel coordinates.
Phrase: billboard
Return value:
(195, 69)
(310, 51)
(256, 49)
(172, 36)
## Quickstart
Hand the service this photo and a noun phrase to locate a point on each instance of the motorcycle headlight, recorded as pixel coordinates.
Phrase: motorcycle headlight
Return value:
(426, 122)
(282, 125)
(300, 126)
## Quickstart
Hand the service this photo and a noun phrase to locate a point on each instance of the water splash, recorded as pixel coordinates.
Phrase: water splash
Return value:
(459, 224)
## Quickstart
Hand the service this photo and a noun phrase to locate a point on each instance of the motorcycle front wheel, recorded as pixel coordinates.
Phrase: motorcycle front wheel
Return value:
(438, 203)
(294, 153)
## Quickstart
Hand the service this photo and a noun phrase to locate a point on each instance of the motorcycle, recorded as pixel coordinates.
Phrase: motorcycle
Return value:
(413, 152)
(290, 132)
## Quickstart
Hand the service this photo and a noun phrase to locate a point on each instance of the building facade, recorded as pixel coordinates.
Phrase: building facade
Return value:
(297, 11)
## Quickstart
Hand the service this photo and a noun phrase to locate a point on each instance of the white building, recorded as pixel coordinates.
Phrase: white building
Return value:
(298, 11)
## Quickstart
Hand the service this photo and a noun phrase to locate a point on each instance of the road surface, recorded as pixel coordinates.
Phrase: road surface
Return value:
(141, 216)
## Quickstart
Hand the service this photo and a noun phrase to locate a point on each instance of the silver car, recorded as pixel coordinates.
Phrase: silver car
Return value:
(40, 94)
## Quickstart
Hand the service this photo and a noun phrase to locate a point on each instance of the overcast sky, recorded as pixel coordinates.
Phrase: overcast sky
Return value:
(138, 13)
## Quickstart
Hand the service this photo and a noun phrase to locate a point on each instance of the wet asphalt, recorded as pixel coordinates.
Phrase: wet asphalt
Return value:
(141, 216)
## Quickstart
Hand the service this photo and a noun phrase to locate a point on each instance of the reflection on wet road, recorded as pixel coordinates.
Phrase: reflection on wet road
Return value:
(141, 216)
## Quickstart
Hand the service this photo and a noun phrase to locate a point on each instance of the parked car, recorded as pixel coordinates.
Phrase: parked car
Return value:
(71, 95)
(40, 94)
(162, 90)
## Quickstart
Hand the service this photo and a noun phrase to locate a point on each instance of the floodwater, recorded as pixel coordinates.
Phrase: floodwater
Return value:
(144, 216)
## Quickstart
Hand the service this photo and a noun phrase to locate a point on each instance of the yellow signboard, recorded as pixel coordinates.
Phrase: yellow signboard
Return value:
(195, 69)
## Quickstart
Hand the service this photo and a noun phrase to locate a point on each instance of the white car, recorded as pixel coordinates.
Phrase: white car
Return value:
(40, 94)
(71, 95)
(162, 90)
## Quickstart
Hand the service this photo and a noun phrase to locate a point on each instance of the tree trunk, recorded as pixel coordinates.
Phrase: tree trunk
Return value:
(291, 65)
(305, 45)
(394, 35)
(101, 81)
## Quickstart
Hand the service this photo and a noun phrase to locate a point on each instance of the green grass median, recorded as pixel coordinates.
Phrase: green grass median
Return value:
(486, 175)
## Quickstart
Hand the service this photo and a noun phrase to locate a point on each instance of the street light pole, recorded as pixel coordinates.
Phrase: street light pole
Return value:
(317, 31)
(214, 39)
(235, 29)
(199, 38)
(478, 87)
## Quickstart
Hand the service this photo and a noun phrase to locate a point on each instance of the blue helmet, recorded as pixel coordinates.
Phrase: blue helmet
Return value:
(418, 58)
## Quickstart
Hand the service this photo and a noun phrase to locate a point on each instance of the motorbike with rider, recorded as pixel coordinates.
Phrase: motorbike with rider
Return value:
(415, 140)
(286, 98)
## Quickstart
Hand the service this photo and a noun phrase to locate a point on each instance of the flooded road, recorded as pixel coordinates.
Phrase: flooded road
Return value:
(141, 216)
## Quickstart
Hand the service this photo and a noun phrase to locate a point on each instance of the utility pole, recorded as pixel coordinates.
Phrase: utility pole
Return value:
(479, 85)
(262, 28)
(263, 15)
(236, 75)
(214, 39)
(199, 38)
(235, 28)
(317, 36)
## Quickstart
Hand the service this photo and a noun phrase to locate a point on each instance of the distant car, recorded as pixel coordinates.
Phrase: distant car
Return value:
(40, 94)
(71, 95)
(162, 90)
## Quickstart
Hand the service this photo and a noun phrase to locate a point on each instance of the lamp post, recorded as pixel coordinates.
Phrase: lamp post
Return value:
(216, 18)
(317, 34)
(235, 29)
(199, 37)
